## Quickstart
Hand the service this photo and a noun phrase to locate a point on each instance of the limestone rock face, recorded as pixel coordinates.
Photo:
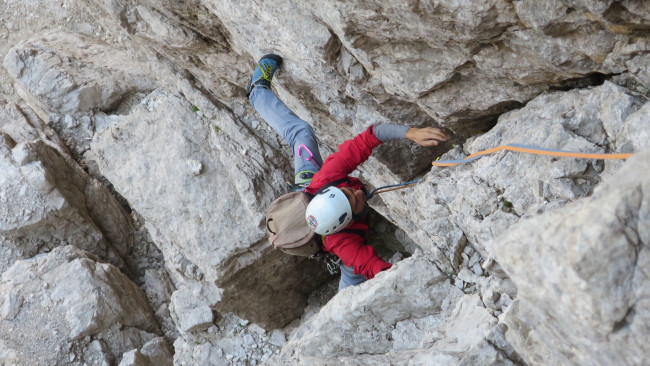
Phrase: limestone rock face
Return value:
(205, 205)
(54, 304)
(369, 313)
(153, 353)
(353, 63)
(410, 314)
(51, 72)
(583, 265)
(124, 126)
(463, 212)
(443, 58)
(476, 202)
(48, 200)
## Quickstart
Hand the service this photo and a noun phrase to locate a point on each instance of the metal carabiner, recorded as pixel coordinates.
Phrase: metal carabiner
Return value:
(311, 156)
(332, 264)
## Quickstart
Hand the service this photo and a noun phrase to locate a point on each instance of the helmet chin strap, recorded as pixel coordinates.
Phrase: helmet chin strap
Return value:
(362, 214)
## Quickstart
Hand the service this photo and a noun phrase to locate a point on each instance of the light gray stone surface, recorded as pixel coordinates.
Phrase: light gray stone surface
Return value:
(361, 318)
(52, 73)
(581, 275)
(191, 306)
(66, 307)
(570, 74)
(153, 353)
(353, 63)
(48, 200)
(377, 323)
(230, 341)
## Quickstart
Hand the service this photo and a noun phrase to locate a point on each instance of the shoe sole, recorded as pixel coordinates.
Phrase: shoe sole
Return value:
(274, 57)
(271, 56)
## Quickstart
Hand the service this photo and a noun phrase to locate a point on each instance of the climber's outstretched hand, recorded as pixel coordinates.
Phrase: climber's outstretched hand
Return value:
(427, 136)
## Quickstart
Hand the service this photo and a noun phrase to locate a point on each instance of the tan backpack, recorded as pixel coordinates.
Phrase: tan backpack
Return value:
(286, 226)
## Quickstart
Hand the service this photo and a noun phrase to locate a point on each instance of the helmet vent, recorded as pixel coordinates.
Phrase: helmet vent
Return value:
(342, 218)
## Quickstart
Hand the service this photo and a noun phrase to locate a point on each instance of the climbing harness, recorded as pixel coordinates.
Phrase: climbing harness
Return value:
(294, 187)
(531, 150)
(311, 156)
(331, 261)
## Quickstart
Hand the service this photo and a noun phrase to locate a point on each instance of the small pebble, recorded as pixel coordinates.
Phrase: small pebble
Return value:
(476, 268)
(474, 259)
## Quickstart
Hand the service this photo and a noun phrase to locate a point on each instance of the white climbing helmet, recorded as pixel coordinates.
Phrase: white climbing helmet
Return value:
(328, 212)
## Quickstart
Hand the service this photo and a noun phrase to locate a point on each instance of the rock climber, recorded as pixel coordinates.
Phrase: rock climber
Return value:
(343, 205)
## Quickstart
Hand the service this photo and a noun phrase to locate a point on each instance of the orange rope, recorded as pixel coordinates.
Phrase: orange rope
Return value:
(531, 150)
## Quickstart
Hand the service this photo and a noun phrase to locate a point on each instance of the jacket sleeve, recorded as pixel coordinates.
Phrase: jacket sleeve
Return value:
(353, 251)
(350, 155)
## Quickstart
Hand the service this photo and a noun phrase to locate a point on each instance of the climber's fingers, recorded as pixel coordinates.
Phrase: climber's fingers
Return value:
(426, 136)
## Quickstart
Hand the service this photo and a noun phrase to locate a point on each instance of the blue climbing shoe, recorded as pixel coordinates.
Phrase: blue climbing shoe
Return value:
(266, 67)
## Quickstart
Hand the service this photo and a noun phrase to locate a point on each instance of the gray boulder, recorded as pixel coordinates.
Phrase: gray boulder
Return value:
(67, 73)
(580, 271)
(411, 314)
(153, 353)
(66, 307)
(48, 200)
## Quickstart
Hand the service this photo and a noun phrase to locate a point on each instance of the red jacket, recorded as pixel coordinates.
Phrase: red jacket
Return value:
(351, 248)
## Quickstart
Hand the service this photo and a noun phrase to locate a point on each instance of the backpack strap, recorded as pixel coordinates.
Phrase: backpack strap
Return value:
(361, 233)
(332, 184)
